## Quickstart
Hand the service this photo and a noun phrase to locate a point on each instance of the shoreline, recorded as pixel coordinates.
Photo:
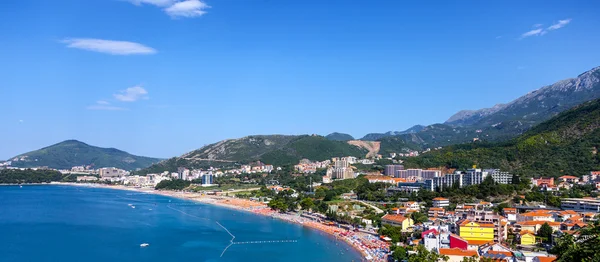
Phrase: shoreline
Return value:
(245, 206)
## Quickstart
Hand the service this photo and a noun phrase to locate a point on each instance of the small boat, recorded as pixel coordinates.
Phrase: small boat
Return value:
(132, 206)
(144, 245)
(20, 186)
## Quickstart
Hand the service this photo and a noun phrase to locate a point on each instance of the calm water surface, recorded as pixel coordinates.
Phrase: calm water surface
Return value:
(65, 223)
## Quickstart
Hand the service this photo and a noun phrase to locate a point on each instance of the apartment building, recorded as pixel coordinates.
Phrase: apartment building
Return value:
(390, 170)
(581, 204)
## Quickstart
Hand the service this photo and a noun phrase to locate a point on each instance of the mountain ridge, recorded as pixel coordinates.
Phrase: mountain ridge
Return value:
(69, 153)
(502, 121)
(566, 144)
(276, 150)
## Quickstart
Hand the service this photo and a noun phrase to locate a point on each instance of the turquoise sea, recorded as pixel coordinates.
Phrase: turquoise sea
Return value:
(67, 223)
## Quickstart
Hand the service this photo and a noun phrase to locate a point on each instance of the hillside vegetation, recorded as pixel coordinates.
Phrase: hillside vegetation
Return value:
(565, 144)
(335, 136)
(69, 153)
(278, 150)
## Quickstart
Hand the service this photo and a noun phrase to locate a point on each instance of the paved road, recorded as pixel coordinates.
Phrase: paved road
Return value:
(377, 210)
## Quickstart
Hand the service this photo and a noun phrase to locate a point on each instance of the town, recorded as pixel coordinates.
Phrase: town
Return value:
(390, 211)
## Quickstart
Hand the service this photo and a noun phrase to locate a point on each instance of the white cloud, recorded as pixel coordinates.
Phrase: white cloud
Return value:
(539, 31)
(560, 24)
(187, 8)
(177, 8)
(21, 121)
(534, 32)
(109, 46)
(132, 94)
(102, 102)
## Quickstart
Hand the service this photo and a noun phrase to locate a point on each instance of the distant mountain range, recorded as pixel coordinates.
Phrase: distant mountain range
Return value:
(377, 136)
(566, 144)
(535, 106)
(69, 153)
(500, 122)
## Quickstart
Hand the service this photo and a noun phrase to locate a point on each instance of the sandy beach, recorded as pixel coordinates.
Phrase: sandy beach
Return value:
(369, 246)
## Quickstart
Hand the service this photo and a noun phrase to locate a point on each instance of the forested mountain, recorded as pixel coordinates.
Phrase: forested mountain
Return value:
(276, 150)
(69, 153)
(566, 144)
(335, 136)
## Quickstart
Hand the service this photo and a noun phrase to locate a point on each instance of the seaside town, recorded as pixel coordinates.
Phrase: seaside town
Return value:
(390, 212)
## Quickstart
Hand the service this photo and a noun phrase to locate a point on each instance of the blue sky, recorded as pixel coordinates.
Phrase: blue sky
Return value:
(162, 77)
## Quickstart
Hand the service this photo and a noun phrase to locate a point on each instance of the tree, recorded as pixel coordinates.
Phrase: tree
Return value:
(475, 259)
(395, 233)
(419, 217)
(399, 253)
(307, 204)
(322, 207)
(278, 204)
(470, 259)
(500, 207)
(423, 255)
(579, 247)
(545, 232)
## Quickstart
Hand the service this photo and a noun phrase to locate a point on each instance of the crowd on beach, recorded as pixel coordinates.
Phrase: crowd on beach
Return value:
(371, 247)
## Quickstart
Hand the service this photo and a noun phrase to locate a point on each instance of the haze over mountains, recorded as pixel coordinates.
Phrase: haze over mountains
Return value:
(504, 121)
(498, 123)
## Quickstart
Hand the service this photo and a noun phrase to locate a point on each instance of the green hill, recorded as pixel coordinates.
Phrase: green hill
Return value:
(69, 153)
(315, 148)
(565, 144)
(335, 136)
(276, 150)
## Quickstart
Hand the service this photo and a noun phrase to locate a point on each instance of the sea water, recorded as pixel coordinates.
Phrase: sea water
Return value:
(68, 223)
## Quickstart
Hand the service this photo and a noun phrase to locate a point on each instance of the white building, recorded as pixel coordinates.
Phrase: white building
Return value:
(500, 177)
(441, 202)
(111, 172)
(581, 204)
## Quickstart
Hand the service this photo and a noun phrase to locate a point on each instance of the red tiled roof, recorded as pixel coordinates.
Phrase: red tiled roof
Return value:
(506, 253)
(568, 177)
(481, 224)
(524, 232)
(440, 199)
(537, 213)
(531, 223)
(546, 259)
(394, 218)
(458, 252)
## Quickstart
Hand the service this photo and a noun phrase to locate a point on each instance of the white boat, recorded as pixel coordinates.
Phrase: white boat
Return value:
(132, 206)
(144, 245)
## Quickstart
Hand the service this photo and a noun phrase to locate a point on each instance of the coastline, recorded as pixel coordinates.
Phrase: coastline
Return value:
(244, 205)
